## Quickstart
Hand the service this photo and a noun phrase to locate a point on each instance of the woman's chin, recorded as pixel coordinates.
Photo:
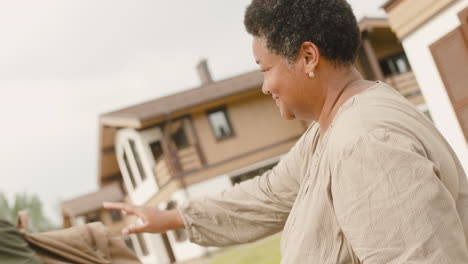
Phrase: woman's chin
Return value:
(286, 115)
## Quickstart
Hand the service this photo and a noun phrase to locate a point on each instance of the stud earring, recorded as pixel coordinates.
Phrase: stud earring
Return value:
(311, 74)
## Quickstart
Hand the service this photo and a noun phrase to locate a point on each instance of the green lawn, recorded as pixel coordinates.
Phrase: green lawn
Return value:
(262, 252)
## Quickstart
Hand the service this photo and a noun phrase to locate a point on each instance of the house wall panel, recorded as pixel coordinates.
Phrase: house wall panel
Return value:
(256, 122)
(427, 75)
(408, 15)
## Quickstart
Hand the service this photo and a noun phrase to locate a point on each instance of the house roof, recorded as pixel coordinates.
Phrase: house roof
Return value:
(93, 201)
(136, 115)
(389, 4)
(368, 23)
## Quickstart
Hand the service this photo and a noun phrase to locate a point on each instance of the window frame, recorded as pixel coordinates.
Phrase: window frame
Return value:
(228, 120)
(146, 187)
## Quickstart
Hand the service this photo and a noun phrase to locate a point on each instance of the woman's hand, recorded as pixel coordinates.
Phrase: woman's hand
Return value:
(154, 220)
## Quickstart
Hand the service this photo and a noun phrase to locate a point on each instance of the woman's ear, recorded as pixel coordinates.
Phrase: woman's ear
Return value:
(310, 56)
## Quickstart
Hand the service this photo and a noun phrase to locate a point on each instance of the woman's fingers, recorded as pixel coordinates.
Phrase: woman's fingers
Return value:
(117, 206)
(127, 209)
(127, 213)
(135, 229)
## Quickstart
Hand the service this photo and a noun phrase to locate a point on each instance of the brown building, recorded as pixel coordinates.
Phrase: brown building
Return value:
(434, 35)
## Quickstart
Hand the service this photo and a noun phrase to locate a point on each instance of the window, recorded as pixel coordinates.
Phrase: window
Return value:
(137, 159)
(156, 149)
(179, 130)
(395, 64)
(115, 215)
(220, 124)
(142, 242)
(129, 244)
(180, 138)
(127, 166)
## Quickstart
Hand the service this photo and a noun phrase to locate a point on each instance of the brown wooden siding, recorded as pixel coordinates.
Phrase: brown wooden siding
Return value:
(407, 15)
(451, 57)
(257, 123)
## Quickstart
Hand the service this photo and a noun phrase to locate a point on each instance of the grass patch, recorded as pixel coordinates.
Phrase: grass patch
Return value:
(265, 251)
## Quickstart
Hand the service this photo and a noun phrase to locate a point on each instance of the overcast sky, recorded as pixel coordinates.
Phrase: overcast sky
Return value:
(62, 63)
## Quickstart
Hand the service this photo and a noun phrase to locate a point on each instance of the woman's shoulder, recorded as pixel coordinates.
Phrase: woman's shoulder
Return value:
(379, 107)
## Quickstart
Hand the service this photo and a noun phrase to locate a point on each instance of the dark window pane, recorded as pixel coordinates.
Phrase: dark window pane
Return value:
(395, 64)
(392, 66)
(156, 149)
(180, 138)
(130, 174)
(385, 68)
(137, 159)
(129, 244)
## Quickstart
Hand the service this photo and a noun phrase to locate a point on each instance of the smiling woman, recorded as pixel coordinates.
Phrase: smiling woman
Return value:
(368, 181)
(292, 56)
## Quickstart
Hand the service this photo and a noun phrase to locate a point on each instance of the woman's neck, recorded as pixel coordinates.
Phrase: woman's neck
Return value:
(340, 86)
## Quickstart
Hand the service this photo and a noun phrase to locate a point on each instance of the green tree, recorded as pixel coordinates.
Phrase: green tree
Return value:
(38, 222)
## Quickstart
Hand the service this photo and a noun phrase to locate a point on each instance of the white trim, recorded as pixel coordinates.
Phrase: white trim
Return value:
(136, 245)
(149, 136)
(146, 188)
(123, 168)
(151, 257)
(417, 50)
(132, 162)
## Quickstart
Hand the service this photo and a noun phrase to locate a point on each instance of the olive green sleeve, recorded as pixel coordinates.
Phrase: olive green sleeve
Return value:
(13, 247)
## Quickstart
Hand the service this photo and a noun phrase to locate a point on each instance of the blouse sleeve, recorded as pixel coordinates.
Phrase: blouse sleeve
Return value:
(392, 205)
(250, 210)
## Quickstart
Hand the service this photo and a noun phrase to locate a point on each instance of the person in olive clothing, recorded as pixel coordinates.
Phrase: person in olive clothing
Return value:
(13, 247)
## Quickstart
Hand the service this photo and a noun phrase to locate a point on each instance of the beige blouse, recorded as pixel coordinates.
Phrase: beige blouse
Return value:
(383, 186)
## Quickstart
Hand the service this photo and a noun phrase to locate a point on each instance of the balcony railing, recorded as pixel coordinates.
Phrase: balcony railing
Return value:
(406, 84)
(189, 159)
(161, 172)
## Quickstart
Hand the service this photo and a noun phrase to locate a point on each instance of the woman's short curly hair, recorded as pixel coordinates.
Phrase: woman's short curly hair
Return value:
(286, 24)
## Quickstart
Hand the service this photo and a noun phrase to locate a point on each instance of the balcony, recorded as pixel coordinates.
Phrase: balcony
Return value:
(188, 158)
(406, 84)
(161, 172)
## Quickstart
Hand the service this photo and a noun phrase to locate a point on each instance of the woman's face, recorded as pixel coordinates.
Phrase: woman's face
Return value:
(285, 82)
